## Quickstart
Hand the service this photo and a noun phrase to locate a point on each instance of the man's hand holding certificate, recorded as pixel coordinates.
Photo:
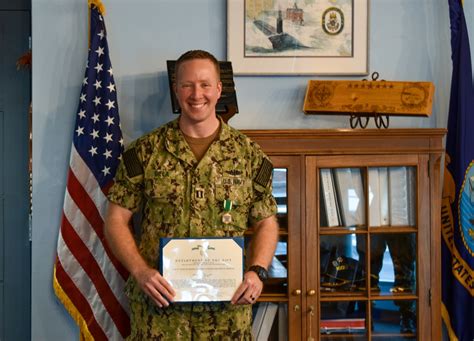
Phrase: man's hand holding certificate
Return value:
(202, 269)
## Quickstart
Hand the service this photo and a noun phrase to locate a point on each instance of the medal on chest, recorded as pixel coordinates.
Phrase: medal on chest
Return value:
(226, 216)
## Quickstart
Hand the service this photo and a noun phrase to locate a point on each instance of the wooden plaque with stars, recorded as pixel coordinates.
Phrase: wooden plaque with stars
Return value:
(369, 98)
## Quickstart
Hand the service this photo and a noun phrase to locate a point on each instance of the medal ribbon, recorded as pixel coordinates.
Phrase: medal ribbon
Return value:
(227, 205)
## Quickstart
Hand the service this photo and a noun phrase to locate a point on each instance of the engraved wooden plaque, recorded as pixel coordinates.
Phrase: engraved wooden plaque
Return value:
(369, 98)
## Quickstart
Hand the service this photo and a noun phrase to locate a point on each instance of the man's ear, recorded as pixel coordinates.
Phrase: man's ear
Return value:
(219, 87)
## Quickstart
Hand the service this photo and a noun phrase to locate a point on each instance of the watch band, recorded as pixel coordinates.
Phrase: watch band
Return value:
(261, 272)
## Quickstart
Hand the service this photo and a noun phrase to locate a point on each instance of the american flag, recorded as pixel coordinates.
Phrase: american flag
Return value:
(88, 280)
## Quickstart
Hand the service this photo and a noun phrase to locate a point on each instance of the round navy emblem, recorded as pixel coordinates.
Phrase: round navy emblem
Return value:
(333, 20)
(414, 96)
(466, 209)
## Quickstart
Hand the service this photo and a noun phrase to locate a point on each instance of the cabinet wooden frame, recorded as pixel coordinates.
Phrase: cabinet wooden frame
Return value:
(306, 151)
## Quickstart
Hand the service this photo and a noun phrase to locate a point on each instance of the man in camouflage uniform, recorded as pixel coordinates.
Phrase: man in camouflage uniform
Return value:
(181, 174)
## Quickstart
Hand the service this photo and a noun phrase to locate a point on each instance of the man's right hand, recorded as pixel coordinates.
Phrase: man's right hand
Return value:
(155, 286)
(122, 243)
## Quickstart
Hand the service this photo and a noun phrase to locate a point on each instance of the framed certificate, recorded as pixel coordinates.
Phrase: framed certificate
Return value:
(202, 269)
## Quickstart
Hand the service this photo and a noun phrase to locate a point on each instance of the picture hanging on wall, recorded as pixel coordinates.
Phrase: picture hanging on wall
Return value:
(297, 37)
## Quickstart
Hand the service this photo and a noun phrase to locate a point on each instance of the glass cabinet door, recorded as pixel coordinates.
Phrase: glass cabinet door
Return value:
(276, 315)
(364, 233)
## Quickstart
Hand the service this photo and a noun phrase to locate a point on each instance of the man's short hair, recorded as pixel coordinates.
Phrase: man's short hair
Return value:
(197, 54)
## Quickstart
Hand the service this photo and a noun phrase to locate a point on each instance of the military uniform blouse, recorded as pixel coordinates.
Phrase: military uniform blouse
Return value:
(180, 197)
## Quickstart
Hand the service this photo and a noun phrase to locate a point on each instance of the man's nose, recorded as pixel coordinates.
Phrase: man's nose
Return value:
(196, 92)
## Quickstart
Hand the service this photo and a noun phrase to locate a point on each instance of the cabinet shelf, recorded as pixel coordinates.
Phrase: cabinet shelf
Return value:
(342, 336)
(355, 296)
(402, 336)
(273, 298)
(393, 296)
(342, 230)
(394, 229)
(343, 296)
(363, 336)
(375, 230)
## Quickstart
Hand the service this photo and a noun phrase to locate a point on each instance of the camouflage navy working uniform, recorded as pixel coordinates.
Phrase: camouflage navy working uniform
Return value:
(184, 198)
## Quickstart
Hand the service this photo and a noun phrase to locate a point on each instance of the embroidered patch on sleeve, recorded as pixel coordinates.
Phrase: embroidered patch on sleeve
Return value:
(132, 163)
(264, 173)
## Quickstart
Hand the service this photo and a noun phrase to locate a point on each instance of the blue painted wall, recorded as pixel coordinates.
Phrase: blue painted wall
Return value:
(408, 40)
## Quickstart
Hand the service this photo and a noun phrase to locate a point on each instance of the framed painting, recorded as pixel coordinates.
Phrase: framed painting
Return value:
(297, 37)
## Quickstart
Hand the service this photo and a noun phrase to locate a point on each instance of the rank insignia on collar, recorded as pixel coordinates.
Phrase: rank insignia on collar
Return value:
(199, 193)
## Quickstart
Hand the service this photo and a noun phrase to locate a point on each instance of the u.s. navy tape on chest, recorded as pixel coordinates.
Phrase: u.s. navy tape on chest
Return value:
(264, 173)
(233, 178)
(132, 163)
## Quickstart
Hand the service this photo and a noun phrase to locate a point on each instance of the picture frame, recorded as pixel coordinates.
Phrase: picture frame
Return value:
(283, 37)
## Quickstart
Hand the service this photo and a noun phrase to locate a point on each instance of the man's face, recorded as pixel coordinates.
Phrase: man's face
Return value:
(197, 90)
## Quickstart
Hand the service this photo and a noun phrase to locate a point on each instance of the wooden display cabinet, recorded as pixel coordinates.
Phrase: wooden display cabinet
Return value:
(362, 263)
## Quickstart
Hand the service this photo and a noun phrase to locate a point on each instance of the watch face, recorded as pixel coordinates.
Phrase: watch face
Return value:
(263, 274)
(260, 271)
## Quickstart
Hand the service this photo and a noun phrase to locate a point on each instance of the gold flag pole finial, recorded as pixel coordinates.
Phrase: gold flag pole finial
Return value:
(97, 3)
(100, 7)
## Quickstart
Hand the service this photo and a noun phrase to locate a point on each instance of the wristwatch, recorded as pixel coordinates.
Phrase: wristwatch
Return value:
(261, 272)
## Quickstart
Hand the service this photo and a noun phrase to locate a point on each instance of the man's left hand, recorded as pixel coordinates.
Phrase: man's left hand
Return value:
(249, 290)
